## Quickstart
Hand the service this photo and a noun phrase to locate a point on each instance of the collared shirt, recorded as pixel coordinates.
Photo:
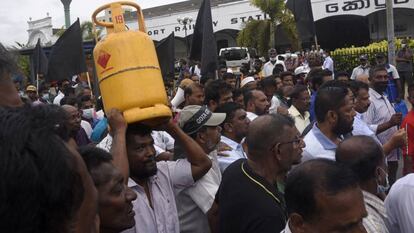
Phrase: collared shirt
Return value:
(375, 221)
(251, 115)
(58, 98)
(194, 202)
(274, 104)
(362, 128)
(106, 144)
(287, 229)
(234, 154)
(269, 66)
(328, 64)
(301, 121)
(248, 202)
(359, 70)
(163, 140)
(171, 177)
(380, 111)
(399, 205)
(318, 145)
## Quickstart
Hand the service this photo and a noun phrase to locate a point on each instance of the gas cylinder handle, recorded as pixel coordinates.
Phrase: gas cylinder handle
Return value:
(140, 15)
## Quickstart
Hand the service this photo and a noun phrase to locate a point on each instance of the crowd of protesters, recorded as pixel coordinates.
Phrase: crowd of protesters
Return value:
(289, 145)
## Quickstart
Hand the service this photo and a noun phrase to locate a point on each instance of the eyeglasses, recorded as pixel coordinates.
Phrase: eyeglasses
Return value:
(295, 142)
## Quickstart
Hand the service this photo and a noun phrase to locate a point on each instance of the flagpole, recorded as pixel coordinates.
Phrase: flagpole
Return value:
(37, 83)
(89, 81)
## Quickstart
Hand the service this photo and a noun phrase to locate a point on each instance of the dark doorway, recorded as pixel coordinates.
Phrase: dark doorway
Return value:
(342, 31)
(222, 44)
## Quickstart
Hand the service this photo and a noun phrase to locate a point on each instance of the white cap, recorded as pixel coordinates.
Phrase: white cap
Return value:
(302, 70)
(246, 81)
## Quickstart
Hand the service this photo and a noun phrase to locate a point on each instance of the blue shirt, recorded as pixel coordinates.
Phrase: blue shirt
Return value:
(318, 145)
(99, 129)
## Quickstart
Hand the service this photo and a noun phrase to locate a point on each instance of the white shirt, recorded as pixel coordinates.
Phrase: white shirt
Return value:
(232, 155)
(163, 140)
(362, 128)
(287, 229)
(251, 115)
(318, 146)
(399, 205)
(194, 202)
(163, 217)
(380, 111)
(58, 98)
(268, 67)
(359, 70)
(106, 144)
(87, 127)
(274, 104)
(328, 64)
(391, 69)
(301, 122)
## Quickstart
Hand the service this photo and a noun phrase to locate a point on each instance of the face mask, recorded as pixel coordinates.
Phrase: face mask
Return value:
(403, 45)
(386, 187)
(273, 59)
(88, 113)
(324, 56)
(45, 97)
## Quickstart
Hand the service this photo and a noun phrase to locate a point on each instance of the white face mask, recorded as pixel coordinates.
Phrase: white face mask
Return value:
(88, 113)
(383, 188)
(273, 59)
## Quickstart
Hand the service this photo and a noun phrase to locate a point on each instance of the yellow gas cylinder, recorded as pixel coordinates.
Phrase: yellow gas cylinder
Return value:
(128, 70)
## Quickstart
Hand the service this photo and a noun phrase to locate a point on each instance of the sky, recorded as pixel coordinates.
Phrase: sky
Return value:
(14, 14)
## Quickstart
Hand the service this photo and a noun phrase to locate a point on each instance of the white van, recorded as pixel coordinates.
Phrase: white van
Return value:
(236, 56)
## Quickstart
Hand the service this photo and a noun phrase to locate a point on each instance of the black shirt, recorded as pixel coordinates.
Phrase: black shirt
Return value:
(248, 203)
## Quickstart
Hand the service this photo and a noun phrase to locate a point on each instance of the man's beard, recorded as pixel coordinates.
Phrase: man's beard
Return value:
(342, 126)
(148, 170)
(259, 112)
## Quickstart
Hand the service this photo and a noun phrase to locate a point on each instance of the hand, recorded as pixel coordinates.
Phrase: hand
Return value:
(282, 110)
(396, 119)
(398, 139)
(165, 125)
(116, 121)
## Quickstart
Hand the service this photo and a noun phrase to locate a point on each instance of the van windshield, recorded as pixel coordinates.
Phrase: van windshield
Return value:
(235, 54)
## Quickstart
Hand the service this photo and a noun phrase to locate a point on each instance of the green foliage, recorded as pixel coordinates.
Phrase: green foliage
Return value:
(24, 64)
(260, 33)
(348, 58)
(256, 34)
(86, 29)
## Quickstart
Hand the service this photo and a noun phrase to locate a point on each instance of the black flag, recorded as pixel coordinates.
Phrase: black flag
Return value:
(67, 57)
(39, 60)
(302, 10)
(203, 46)
(165, 52)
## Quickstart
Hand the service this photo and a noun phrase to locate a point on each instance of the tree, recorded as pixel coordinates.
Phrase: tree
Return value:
(87, 31)
(261, 33)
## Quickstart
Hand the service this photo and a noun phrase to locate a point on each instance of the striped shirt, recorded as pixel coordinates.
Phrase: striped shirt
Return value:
(375, 221)
(379, 112)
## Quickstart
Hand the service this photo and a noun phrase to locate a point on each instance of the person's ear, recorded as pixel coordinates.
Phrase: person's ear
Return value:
(228, 127)
(332, 117)
(296, 223)
(212, 104)
(201, 137)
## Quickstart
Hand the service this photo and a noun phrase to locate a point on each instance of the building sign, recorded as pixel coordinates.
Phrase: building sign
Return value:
(325, 8)
(227, 16)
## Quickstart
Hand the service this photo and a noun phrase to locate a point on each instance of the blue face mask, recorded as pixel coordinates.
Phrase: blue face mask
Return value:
(386, 187)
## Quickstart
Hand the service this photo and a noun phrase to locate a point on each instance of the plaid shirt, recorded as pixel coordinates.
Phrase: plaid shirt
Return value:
(375, 222)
